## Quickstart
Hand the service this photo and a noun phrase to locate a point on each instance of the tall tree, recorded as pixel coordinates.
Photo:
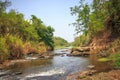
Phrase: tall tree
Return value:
(4, 4)
(45, 33)
(82, 11)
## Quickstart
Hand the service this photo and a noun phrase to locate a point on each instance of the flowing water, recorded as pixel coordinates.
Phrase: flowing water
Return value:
(56, 68)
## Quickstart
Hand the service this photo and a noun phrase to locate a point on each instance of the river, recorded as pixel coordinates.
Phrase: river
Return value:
(56, 68)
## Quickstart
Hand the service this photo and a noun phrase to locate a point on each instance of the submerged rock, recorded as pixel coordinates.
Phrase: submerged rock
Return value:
(45, 57)
(62, 55)
(4, 73)
(17, 73)
(91, 66)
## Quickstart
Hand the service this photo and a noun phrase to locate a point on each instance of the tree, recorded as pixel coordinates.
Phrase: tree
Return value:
(17, 34)
(45, 33)
(111, 9)
(82, 11)
(4, 5)
(58, 41)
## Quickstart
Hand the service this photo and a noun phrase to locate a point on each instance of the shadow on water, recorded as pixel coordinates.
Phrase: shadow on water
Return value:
(99, 66)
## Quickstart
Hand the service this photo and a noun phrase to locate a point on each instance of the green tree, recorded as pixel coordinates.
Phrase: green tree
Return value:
(45, 33)
(17, 34)
(82, 11)
(4, 4)
(59, 42)
(109, 10)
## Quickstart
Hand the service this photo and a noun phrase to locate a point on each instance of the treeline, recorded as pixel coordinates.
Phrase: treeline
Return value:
(99, 23)
(19, 36)
(60, 42)
(94, 17)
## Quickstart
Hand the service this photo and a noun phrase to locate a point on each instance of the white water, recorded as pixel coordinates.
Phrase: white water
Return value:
(49, 69)
(47, 73)
(31, 58)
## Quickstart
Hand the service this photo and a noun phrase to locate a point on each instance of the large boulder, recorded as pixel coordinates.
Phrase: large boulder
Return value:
(80, 51)
(77, 53)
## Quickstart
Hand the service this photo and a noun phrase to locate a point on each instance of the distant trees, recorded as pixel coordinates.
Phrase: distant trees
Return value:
(80, 41)
(59, 42)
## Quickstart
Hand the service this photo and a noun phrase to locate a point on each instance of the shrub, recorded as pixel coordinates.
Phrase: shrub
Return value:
(12, 47)
(3, 49)
(116, 60)
(103, 59)
(15, 47)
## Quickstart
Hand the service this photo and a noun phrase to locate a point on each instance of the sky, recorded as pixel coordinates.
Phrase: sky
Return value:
(55, 13)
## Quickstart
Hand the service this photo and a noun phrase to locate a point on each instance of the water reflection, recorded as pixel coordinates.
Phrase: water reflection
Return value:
(56, 68)
(99, 66)
(50, 69)
(23, 66)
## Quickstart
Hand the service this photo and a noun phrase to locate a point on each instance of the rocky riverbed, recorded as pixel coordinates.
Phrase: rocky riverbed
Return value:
(55, 66)
(109, 75)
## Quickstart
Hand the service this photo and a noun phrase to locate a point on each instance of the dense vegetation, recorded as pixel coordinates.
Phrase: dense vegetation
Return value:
(60, 42)
(19, 36)
(96, 18)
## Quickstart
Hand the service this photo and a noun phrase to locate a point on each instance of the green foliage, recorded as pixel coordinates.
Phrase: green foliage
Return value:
(15, 45)
(3, 47)
(45, 33)
(103, 59)
(4, 53)
(16, 33)
(96, 16)
(116, 60)
(76, 42)
(60, 42)
(13, 40)
(111, 10)
(81, 40)
(4, 4)
(9, 46)
(82, 11)
(87, 22)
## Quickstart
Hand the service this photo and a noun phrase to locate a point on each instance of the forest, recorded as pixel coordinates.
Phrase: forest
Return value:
(19, 36)
(98, 27)
(94, 17)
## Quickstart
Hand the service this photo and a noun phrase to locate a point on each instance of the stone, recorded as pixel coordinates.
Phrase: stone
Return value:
(91, 66)
(3, 73)
(16, 73)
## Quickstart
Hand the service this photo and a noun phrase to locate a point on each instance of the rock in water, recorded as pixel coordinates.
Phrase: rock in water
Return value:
(91, 66)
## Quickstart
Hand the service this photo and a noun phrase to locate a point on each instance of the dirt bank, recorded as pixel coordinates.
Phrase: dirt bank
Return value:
(110, 75)
(11, 62)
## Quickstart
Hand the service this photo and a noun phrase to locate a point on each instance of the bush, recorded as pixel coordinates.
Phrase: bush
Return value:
(3, 46)
(12, 47)
(103, 59)
(15, 47)
(116, 60)
(3, 49)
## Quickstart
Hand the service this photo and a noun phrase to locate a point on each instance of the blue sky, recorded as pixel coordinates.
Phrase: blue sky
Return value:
(55, 13)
